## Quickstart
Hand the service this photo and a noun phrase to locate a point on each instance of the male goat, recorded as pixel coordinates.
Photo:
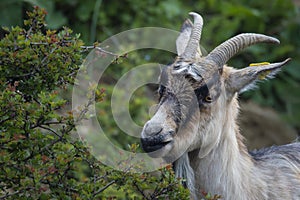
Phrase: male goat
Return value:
(195, 124)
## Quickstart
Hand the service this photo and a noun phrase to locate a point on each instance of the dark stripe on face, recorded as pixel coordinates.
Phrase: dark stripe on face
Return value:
(161, 91)
(201, 93)
(163, 80)
(171, 103)
(211, 88)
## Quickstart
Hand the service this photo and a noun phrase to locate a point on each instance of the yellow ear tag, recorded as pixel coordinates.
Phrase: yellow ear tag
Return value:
(258, 64)
(262, 75)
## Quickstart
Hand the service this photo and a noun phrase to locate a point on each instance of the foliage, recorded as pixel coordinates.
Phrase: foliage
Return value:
(38, 62)
(29, 85)
(40, 158)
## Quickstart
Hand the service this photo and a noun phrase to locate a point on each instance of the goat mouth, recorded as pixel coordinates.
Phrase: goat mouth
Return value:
(159, 144)
(151, 146)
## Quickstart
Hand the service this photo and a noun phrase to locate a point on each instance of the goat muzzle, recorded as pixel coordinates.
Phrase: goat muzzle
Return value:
(156, 142)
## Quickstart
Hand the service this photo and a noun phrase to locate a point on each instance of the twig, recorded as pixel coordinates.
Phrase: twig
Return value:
(50, 129)
(104, 188)
(99, 49)
(39, 43)
(141, 191)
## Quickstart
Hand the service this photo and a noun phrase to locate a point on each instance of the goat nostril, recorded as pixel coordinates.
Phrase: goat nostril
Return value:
(160, 130)
(152, 130)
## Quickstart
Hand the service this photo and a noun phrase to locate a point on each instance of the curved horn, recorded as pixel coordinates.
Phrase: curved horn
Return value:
(193, 44)
(221, 54)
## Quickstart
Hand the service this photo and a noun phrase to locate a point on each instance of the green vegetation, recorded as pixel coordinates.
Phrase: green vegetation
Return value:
(39, 159)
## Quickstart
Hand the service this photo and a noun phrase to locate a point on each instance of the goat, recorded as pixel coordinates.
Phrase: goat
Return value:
(195, 124)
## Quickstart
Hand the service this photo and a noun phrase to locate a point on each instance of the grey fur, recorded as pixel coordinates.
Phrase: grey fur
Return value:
(203, 138)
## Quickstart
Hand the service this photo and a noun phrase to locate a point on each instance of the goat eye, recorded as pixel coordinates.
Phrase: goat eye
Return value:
(208, 99)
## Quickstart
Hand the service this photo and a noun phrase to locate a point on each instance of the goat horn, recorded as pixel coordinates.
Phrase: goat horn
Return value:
(222, 53)
(193, 44)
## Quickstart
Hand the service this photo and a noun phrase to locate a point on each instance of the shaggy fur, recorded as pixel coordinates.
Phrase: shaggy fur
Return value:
(196, 124)
(229, 170)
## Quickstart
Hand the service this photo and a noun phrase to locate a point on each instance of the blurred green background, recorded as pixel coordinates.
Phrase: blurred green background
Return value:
(96, 20)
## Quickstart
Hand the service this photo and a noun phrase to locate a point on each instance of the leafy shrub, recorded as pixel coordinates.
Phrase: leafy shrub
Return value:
(40, 158)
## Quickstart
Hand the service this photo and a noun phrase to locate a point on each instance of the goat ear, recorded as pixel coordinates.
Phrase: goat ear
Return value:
(244, 79)
(184, 37)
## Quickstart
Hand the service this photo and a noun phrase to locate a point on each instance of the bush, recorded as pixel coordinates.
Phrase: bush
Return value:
(39, 156)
